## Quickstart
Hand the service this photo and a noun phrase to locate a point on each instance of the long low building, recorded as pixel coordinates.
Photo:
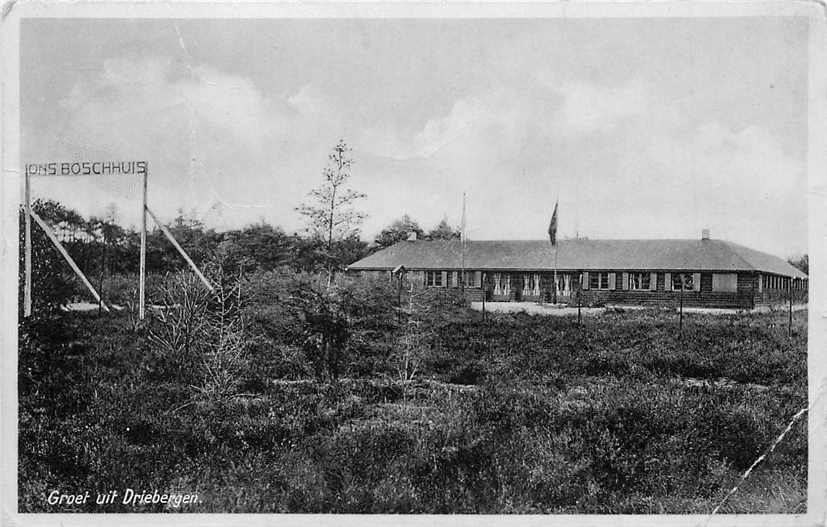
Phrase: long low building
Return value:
(702, 272)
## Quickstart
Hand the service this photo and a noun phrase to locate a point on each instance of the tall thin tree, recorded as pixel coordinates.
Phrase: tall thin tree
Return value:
(330, 213)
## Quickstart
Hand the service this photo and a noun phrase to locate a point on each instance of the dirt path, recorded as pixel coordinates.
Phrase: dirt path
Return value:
(534, 308)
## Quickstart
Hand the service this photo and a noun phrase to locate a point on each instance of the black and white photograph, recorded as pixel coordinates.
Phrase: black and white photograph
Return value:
(504, 259)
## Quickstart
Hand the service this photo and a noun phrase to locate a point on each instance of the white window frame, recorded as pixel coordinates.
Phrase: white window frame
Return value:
(470, 279)
(642, 278)
(433, 279)
(602, 280)
(528, 284)
(683, 284)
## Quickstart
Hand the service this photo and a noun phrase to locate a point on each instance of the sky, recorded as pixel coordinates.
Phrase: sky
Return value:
(642, 128)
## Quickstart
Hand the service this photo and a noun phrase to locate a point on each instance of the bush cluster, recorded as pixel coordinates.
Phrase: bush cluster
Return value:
(514, 414)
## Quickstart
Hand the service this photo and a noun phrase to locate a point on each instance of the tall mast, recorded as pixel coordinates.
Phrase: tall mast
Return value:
(462, 247)
(556, 249)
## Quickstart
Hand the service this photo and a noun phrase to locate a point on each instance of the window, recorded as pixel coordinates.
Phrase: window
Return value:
(472, 278)
(640, 281)
(433, 278)
(726, 282)
(682, 281)
(598, 280)
(563, 284)
(528, 284)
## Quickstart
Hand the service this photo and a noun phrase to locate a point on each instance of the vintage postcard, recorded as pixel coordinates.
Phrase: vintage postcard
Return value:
(499, 263)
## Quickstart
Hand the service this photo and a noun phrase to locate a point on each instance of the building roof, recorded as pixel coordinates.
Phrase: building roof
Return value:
(578, 254)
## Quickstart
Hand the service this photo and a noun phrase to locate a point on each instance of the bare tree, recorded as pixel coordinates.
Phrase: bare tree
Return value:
(412, 343)
(179, 324)
(331, 215)
(201, 335)
(225, 359)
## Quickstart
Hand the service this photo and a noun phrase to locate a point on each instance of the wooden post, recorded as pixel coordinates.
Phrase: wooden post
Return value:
(579, 295)
(790, 323)
(399, 297)
(27, 286)
(680, 317)
(484, 285)
(142, 265)
(103, 268)
(554, 299)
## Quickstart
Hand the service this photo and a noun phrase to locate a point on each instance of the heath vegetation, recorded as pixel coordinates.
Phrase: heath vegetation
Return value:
(293, 387)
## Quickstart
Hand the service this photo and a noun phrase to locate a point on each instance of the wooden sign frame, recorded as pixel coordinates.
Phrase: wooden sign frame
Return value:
(51, 170)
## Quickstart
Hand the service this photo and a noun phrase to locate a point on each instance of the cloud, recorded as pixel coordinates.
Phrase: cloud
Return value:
(467, 117)
(512, 116)
(210, 137)
(310, 100)
(739, 182)
(591, 108)
(622, 159)
(476, 126)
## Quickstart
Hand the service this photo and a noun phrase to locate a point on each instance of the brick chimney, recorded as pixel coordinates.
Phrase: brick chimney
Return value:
(412, 236)
(705, 234)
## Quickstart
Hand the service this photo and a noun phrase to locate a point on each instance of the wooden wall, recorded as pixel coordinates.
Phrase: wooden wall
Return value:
(746, 296)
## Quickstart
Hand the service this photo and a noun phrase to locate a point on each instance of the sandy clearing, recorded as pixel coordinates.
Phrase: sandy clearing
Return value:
(533, 308)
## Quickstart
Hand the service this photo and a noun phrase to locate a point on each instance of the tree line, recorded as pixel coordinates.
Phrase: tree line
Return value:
(330, 242)
(97, 243)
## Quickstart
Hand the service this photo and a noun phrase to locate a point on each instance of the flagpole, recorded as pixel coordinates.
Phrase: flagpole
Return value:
(462, 250)
(556, 247)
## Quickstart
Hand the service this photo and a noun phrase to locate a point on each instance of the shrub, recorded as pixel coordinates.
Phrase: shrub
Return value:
(561, 419)
(328, 321)
(199, 335)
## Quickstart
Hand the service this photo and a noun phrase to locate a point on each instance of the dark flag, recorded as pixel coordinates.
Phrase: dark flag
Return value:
(552, 226)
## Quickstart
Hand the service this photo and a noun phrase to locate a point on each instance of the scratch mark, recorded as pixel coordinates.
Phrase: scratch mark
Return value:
(7, 7)
(761, 458)
(182, 44)
(194, 160)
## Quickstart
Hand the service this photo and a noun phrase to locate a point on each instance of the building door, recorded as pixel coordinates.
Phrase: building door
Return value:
(517, 285)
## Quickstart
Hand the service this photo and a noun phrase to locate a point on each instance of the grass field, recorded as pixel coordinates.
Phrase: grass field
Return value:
(515, 414)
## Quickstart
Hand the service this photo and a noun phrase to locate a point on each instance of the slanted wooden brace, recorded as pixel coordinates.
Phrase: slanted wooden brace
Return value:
(68, 259)
(83, 169)
(180, 249)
